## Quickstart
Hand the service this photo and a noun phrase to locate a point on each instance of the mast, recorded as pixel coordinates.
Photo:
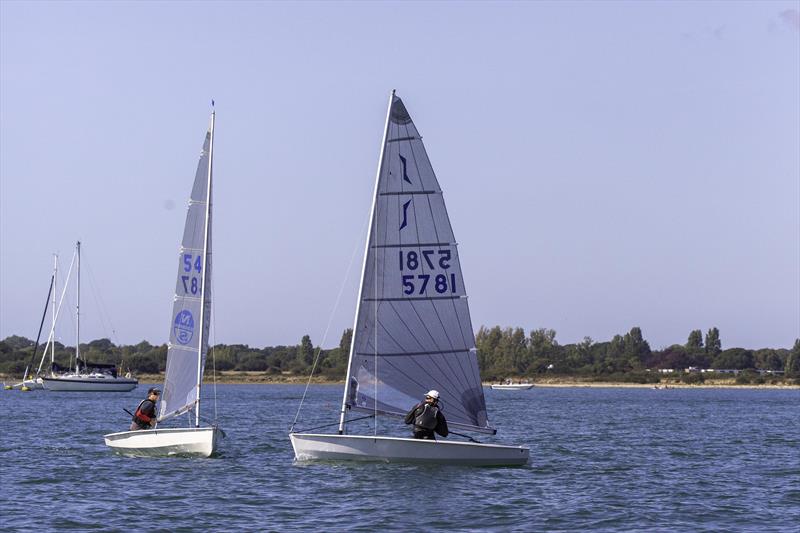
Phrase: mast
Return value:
(364, 266)
(52, 337)
(207, 228)
(78, 309)
(53, 328)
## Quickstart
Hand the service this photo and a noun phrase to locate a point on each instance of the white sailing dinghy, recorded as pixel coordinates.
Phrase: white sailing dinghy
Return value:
(412, 327)
(189, 329)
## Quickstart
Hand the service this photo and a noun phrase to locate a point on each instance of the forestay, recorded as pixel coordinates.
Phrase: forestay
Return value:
(191, 311)
(413, 329)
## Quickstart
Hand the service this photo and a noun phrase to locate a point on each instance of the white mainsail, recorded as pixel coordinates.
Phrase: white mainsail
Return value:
(191, 311)
(413, 330)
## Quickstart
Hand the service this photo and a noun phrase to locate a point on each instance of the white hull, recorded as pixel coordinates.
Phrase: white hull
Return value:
(310, 447)
(165, 442)
(518, 386)
(89, 383)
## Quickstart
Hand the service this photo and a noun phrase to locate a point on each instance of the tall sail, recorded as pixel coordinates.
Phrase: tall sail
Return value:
(413, 330)
(191, 310)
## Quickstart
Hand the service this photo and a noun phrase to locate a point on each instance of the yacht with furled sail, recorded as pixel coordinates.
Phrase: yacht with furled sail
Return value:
(85, 376)
(412, 328)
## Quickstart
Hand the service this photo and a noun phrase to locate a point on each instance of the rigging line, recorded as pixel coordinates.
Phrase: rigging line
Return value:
(58, 311)
(330, 320)
(98, 300)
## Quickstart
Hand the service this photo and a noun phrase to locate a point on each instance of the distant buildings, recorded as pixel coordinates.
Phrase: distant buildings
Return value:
(734, 371)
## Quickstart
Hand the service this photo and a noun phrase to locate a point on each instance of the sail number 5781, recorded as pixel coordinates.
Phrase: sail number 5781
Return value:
(427, 260)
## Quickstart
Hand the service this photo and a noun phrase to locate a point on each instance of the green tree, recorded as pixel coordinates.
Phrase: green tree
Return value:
(793, 361)
(305, 352)
(695, 341)
(736, 358)
(636, 350)
(545, 351)
(713, 343)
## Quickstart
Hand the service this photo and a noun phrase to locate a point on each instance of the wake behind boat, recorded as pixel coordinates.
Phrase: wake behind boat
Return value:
(188, 342)
(412, 326)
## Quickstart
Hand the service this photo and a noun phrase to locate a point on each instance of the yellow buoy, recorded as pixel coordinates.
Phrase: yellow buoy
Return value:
(24, 389)
(7, 387)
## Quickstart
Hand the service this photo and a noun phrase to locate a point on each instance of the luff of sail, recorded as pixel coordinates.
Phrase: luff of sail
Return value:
(413, 330)
(192, 304)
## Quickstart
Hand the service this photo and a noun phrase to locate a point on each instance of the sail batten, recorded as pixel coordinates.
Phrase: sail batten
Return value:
(413, 315)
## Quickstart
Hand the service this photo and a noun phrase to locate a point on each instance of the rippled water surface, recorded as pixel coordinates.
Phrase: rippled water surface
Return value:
(601, 459)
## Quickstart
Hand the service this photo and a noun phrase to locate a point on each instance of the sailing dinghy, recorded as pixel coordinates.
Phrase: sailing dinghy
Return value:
(412, 327)
(188, 343)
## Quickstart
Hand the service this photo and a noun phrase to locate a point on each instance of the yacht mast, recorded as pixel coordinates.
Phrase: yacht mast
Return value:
(78, 308)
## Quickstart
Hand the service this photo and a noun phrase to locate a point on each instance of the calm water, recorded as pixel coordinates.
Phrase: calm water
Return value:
(601, 459)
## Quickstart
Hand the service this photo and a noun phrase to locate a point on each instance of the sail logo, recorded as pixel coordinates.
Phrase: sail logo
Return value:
(405, 214)
(184, 327)
(405, 173)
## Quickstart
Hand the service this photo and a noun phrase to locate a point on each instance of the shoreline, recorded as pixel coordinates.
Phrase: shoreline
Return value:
(259, 378)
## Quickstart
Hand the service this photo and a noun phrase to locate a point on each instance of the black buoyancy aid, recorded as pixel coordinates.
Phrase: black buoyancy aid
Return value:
(426, 417)
(139, 417)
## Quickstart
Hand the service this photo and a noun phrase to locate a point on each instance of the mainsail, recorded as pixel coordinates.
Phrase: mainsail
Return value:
(191, 311)
(413, 330)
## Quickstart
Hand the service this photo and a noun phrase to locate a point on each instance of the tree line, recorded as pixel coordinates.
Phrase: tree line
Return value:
(502, 353)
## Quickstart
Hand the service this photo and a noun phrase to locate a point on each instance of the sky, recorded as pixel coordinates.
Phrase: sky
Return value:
(605, 164)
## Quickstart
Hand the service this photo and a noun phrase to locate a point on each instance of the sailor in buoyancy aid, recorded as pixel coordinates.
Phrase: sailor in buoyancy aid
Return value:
(427, 418)
(145, 415)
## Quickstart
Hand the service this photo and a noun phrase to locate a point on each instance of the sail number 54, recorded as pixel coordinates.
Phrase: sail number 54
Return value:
(427, 260)
(192, 264)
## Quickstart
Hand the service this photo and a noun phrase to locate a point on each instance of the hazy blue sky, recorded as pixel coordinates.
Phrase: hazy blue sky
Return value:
(605, 165)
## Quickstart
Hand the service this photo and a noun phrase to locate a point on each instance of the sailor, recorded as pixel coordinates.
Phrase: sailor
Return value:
(427, 418)
(145, 415)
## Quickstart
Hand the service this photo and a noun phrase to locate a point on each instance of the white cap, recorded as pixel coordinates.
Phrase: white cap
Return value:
(433, 394)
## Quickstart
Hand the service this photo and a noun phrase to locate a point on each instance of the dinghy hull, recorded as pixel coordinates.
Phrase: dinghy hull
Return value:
(314, 447)
(521, 386)
(198, 442)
